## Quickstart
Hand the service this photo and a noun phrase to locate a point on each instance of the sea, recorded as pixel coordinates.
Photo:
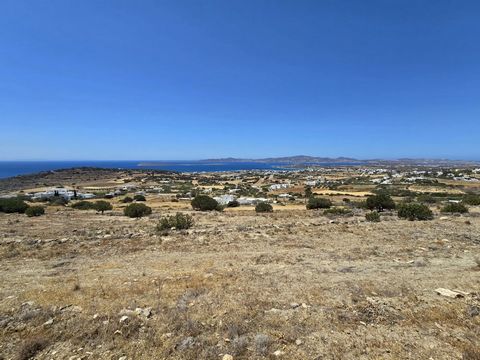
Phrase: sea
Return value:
(14, 168)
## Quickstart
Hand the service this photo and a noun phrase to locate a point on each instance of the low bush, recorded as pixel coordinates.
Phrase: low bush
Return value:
(205, 203)
(127, 199)
(471, 199)
(380, 202)
(426, 199)
(31, 347)
(233, 203)
(414, 211)
(102, 206)
(454, 208)
(373, 216)
(13, 205)
(83, 205)
(358, 204)
(139, 197)
(178, 221)
(318, 203)
(58, 201)
(337, 211)
(137, 210)
(263, 207)
(35, 211)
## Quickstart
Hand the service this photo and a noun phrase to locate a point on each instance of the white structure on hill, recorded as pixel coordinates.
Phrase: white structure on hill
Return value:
(224, 199)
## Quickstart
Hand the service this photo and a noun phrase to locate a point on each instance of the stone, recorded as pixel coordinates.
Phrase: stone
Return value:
(278, 353)
(123, 318)
(227, 357)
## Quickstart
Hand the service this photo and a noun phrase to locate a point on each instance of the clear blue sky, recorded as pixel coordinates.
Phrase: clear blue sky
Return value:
(197, 79)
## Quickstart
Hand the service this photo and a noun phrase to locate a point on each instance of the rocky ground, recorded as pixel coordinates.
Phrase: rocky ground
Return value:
(293, 284)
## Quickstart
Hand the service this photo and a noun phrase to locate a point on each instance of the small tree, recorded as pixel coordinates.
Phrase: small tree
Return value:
(35, 210)
(263, 207)
(380, 202)
(13, 205)
(204, 203)
(454, 208)
(139, 197)
(308, 192)
(414, 211)
(373, 216)
(318, 203)
(102, 206)
(127, 199)
(137, 210)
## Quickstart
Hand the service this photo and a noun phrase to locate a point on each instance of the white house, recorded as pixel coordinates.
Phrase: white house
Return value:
(224, 199)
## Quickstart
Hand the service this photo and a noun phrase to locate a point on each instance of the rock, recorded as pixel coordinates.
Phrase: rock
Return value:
(451, 293)
(444, 218)
(278, 353)
(186, 343)
(48, 322)
(294, 305)
(420, 262)
(298, 342)
(146, 312)
(473, 310)
(227, 357)
(122, 358)
(123, 318)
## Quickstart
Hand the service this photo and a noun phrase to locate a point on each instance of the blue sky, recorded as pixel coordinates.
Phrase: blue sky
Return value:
(200, 79)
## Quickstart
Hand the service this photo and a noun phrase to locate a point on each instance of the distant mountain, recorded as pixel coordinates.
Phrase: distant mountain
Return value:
(297, 159)
(305, 159)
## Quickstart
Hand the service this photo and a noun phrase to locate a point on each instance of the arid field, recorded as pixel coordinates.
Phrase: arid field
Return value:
(292, 284)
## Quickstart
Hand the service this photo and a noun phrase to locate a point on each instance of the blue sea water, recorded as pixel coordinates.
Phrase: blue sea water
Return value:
(14, 168)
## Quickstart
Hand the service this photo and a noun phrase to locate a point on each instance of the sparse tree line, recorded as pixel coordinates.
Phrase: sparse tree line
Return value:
(378, 203)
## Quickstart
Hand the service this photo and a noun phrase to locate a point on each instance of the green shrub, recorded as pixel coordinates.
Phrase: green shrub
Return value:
(205, 203)
(337, 211)
(35, 211)
(139, 197)
(13, 205)
(58, 201)
(426, 198)
(137, 210)
(263, 207)
(380, 202)
(127, 199)
(359, 204)
(471, 199)
(318, 203)
(83, 205)
(233, 203)
(373, 216)
(178, 221)
(414, 211)
(454, 208)
(102, 206)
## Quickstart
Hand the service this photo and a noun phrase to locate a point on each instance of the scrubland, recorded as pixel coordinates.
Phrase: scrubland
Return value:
(292, 284)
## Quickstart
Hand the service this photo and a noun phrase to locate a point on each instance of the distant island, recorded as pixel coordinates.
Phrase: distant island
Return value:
(305, 159)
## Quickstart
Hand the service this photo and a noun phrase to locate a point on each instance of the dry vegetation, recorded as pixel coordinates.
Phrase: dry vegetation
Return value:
(292, 284)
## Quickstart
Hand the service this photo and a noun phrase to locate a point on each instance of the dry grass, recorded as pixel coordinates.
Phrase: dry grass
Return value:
(237, 283)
